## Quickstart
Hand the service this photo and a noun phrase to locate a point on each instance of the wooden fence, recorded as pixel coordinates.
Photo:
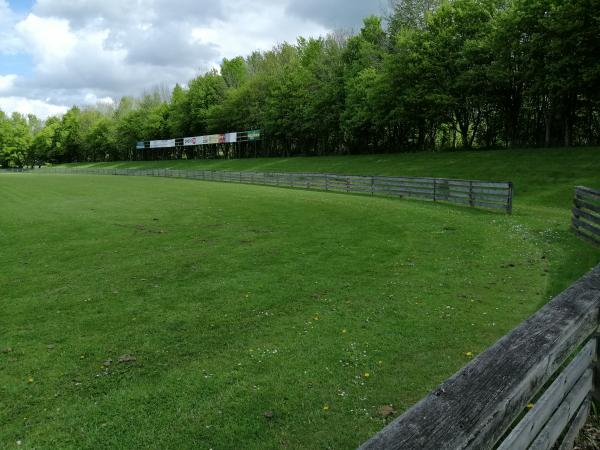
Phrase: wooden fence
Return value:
(546, 363)
(586, 214)
(485, 194)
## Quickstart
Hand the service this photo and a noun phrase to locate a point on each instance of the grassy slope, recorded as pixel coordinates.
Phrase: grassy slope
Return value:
(541, 176)
(234, 299)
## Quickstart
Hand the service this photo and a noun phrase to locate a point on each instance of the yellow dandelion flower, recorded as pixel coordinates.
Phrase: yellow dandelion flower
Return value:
(530, 405)
(366, 375)
(469, 354)
(30, 380)
(326, 407)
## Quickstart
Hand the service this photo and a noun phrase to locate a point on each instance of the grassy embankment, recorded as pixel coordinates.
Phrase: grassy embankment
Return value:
(236, 300)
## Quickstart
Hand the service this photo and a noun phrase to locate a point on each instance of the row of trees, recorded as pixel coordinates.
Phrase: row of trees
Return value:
(433, 75)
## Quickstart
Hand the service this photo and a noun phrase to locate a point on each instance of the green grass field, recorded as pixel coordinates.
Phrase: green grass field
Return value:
(237, 300)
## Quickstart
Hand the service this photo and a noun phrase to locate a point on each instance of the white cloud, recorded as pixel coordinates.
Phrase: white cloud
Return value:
(85, 51)
(50, 40)
(249, 28)
(25, 105)
(7, 82)
(93, 99)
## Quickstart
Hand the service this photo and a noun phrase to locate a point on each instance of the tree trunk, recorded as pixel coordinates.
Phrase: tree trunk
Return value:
(548, 123)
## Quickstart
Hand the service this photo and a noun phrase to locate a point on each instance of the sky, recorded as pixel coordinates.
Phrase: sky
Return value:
(59, 53)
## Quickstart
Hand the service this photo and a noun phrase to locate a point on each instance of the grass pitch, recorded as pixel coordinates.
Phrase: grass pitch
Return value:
(252, 316)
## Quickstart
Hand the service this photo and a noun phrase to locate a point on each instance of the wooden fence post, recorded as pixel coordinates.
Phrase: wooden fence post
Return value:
(471, 195)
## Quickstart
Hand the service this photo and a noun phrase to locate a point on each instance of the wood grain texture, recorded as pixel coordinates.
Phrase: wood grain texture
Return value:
(532, 423)
(576, 426)
(589, 191)
(565, 412)
(586, 226)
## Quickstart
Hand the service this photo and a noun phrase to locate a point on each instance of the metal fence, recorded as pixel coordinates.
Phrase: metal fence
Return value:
(474, 193)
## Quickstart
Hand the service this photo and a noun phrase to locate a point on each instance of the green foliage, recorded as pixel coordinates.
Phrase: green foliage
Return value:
(15, 140)
(204, 92)
(434, 75)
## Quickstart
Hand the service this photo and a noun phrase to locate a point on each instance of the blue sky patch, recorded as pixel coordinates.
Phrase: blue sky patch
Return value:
(21, 6)
(20, 64)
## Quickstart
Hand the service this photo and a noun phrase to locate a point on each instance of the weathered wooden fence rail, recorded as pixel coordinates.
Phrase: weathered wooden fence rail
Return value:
(478, 406)
(485, 194)
(586, 214)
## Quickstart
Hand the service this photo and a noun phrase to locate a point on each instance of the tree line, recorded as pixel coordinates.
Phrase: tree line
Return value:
(433, 75)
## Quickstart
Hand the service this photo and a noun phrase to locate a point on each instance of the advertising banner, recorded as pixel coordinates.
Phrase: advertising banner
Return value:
(163, 143)
(254, 135)
(227, 138)
(192, 140)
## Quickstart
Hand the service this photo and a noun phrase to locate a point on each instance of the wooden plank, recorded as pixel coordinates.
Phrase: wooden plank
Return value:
(586, 226)
(563, 415)
(403, 183)
(423, 187)
(581, 204)
(473, 408)
(576, 425)
(486, 184)
(396, 180)
(589, 217)
(532, 423)
(480, 197)
(349, 184)
(587, 237)
(586, 190)
(359, 179)
(377, 188)
(403, 193)
(498, 192)
(414, 180)
(466, 188)
(355, 188)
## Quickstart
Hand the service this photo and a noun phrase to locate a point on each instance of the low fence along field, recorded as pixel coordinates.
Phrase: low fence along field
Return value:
(474, 193)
